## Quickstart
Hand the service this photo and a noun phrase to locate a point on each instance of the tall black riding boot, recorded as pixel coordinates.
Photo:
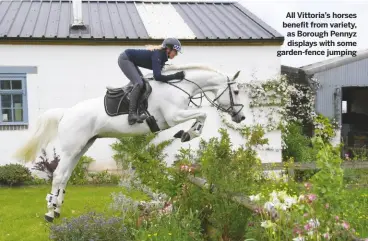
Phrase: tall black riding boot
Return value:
(133, 116)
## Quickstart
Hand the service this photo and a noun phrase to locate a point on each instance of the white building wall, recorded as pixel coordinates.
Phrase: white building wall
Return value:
(69, 74)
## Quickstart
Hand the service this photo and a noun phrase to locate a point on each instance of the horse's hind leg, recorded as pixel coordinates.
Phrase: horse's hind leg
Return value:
(68, 161)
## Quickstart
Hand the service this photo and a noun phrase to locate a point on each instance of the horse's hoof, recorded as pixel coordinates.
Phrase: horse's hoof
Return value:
(56, 214)
(179, 134)
(185, 137)
(49, 219)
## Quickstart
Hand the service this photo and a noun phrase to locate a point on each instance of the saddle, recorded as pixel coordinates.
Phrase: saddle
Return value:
(117, 100)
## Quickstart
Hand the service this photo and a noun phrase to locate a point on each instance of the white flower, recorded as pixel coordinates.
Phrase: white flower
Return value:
(281, 206)
(274, 195)
(269, 206)
(314, 223)
(289, 201)
(301, 198)
(255, 198)
(300, 238)
(267, 224)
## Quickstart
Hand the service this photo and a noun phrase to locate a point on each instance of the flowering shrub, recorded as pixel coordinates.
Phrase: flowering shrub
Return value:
(169, 186)
(177, 209)
(90, 226)
(313, 213)
(303, 217)
(171, 226)
(288, 101)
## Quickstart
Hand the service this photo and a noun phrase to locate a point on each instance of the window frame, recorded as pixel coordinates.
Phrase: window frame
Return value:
(23, 92)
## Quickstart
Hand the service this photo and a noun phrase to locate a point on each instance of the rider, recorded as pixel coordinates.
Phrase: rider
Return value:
(153, 58)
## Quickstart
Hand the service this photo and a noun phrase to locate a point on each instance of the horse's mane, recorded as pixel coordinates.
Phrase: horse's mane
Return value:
(190, 67)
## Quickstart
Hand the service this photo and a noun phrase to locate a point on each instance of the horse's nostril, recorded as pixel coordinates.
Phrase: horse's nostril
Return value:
(243, 118)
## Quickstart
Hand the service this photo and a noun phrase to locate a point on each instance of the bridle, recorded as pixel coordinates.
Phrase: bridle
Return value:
(230, 110)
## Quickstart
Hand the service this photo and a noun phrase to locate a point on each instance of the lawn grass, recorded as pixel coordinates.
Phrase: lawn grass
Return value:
(22, 209)
(356, 209)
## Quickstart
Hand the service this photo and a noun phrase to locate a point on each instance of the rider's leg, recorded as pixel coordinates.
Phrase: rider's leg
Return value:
(131, 71)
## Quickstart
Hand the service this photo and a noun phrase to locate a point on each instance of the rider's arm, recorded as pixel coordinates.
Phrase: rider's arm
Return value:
(156, 68)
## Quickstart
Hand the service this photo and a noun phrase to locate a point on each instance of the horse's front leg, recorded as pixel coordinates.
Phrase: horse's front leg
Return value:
(181, 116)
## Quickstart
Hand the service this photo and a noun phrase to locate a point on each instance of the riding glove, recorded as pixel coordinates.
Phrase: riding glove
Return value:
(180, 75)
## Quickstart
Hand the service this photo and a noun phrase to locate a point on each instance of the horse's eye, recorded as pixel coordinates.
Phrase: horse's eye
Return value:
(236, 92)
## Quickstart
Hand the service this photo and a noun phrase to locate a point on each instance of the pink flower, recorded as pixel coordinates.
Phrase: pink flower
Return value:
(185, 168)
(305, 215)
(326, 236)
(307, 227)
(311, 197)
(337, 218)
(327, 205)
(257, 210)
(297, 230)
(307, 185)
(345, 225)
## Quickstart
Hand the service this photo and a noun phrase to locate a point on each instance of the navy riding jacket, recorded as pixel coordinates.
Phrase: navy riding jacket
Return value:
(154, 60)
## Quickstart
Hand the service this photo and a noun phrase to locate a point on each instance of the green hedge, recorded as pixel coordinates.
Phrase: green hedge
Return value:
(14, 174)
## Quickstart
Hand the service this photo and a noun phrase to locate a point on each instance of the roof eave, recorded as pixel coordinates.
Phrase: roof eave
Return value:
(138, 41)
(333, 63)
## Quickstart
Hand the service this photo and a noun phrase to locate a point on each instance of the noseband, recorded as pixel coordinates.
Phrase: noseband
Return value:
(230, 110)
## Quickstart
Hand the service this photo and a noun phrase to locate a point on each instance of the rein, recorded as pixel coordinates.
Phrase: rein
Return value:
(203, 94)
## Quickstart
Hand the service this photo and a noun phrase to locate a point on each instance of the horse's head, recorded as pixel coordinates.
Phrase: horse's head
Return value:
(228, 99)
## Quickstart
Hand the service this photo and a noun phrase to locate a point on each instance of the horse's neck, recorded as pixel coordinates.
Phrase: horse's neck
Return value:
(203, 80)
(210, 88)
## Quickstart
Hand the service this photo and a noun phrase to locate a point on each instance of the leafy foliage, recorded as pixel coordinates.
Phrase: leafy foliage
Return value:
(14, 174)
(328, 182)
(103, 177)
(324, 127)
(298, 146)
(80, 173)
(170, 227)
(222, 166)
(147, 159)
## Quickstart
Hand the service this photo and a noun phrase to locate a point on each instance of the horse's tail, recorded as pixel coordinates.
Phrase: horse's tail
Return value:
(45, 131)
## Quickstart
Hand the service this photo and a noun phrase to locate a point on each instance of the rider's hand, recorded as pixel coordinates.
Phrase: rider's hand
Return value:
(180, 75)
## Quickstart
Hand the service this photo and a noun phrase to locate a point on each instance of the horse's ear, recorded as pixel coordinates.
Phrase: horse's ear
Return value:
(236, 75)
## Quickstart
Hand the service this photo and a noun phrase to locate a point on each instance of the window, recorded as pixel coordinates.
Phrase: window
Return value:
(344, 107)
(13, 99)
